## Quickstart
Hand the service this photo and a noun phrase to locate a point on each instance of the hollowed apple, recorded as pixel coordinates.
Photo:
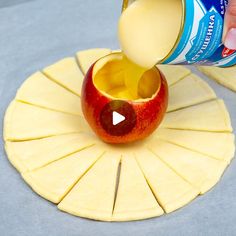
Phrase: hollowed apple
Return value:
(114, 86)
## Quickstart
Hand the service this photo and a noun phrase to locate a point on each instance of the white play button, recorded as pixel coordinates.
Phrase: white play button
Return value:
(117, 118)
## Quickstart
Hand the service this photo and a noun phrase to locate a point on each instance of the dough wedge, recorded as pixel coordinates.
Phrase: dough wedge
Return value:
(30, 155)
(40, 91)
(189, 91)
(26, 122)
(209, 116)
(201, 171)
(66, 72)
(93, 196)
(87, 57)
(134, 198)
(217, 145)
(224, 76)
(174, 73)
(171, 190)
(55, 180)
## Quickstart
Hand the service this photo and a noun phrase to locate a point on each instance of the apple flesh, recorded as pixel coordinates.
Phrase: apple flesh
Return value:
(105, 83)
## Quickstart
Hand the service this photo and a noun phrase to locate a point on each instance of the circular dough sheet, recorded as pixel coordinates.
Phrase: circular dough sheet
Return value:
(50, 144)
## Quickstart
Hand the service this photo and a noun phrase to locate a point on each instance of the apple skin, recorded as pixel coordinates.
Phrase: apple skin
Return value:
(149, 113)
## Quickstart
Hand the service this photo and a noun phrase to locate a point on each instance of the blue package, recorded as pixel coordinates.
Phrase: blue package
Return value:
(200, 41)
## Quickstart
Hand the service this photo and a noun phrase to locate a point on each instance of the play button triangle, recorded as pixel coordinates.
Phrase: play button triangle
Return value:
(117, 118)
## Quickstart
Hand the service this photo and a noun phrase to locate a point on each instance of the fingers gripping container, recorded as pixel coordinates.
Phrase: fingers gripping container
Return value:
(200, 37)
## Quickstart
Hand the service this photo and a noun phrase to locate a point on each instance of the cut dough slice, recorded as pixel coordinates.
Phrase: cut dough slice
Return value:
(224, 76)
(174, 73)
(55, 180)
(29, 155)
(134, 199)
(200, 170)
(217, 145)
(189, 91)
(93, 196)
(26, 122)
(66, 73)
(171, 190)
(87, 57)
(40, 91)
(209, 116)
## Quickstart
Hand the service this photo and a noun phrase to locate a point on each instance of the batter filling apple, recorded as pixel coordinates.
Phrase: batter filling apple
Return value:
(113, 85)
(121, 79)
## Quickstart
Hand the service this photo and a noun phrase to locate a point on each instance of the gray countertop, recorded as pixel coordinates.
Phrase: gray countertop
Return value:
(36, 33)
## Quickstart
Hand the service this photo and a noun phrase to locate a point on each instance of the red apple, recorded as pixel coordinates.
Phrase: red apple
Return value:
(143, 114)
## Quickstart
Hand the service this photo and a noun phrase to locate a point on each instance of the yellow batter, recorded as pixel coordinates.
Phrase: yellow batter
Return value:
(148, 30)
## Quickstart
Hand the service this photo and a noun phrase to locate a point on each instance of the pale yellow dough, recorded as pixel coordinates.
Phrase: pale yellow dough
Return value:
(93, 196)
(224, 76)
(66, 73)
(200, 170)
(55, 180)
(174, 74)
(25, 122)
(87, 57)
(171, 190)
(209, 116)
(49, 142)
(189, 91)
(40, 91)
(29, 155)
(217, 145)
(134, 198)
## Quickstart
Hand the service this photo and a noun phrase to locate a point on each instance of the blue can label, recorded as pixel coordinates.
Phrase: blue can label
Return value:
(201, 39)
